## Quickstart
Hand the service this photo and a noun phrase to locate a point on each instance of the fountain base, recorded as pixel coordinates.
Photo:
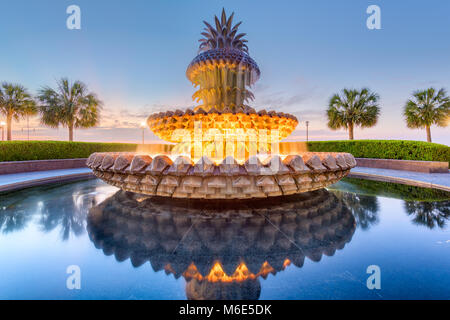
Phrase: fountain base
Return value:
(181, 178)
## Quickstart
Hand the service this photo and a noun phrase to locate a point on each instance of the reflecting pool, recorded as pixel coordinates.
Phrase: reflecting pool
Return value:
(315, 245)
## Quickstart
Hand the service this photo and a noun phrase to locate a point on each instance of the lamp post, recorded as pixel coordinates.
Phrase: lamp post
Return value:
(2, 124)
(307, 126)
(143, 126)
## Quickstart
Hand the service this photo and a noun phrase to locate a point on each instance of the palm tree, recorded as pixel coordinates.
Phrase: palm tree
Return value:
(353, 108)
(15, 103)
(70, 105)
(427, 107)
(364, 208)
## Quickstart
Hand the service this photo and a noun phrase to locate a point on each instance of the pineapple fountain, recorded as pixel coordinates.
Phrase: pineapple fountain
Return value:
(224, 148)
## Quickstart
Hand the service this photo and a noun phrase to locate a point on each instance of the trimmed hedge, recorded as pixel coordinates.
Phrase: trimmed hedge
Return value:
(40, 150)
(380, 149)
(385, 149)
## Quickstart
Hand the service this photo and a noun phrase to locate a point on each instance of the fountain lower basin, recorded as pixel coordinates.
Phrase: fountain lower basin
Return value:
(205, 179)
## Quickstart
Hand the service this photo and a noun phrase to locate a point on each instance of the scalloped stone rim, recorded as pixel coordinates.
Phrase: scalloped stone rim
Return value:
(164, 124)
(243, 109)
(232, 56)
(181, 178)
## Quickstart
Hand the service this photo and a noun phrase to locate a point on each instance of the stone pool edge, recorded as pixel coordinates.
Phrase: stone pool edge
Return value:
(60, 177)
(400, 180)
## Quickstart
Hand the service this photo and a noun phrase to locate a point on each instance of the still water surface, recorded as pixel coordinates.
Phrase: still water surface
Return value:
(312, 246)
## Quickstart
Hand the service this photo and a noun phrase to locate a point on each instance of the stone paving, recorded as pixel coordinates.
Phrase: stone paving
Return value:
(441, 179)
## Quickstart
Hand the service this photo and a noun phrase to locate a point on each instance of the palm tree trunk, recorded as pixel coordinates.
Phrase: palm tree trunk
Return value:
(70, 132)
(350, 131)
(8, 127)
(428, 134)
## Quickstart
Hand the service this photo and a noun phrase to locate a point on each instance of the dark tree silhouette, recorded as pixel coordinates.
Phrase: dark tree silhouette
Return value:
(364, 208)
(61, 207)
(429, 214)
(13, 219)
(68, 213)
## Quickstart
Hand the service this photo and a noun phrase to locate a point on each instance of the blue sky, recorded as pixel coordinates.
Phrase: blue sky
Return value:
(134, 55)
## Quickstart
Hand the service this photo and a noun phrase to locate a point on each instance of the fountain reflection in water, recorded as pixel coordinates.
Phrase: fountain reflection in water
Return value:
(221, 249)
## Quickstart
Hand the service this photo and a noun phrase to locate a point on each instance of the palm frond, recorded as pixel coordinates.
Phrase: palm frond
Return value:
(427, 107)
(353, 107)
(70, 104)
(16, 101)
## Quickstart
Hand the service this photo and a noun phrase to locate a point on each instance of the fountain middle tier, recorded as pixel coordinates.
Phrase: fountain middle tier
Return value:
(242, 132)
(168, 125)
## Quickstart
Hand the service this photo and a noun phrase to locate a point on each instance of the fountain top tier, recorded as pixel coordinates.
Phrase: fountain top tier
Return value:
(223, 70)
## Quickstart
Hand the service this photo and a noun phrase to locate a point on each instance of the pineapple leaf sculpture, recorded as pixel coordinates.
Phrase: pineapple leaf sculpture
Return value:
(223, 70)
(223, 35)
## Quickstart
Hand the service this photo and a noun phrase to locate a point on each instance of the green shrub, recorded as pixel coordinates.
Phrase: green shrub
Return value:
(39, 150)
(385, 149)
